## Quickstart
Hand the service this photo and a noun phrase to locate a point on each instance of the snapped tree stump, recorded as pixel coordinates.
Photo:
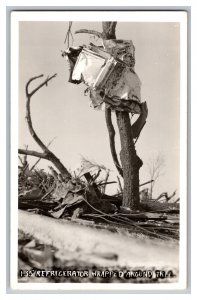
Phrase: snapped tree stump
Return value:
(131, 163)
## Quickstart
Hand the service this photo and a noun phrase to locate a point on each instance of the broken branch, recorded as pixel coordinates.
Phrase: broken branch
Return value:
(32, 153)
(40, 157)
(94, 32)
(146, 182)
(111, 132)
(109, 30)
(40, 86)
(120, 186)
(47, 153)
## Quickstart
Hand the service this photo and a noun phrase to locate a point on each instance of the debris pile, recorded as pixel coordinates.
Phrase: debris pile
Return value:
(83, 199)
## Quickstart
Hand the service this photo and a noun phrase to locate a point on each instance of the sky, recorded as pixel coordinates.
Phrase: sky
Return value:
(62, 111)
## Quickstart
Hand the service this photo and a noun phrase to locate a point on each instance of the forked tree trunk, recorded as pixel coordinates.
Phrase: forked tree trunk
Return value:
(131, 163)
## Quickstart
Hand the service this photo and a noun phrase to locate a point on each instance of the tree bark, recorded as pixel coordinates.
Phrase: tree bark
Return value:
(131, 163)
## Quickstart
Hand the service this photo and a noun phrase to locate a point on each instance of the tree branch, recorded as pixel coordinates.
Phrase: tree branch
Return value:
(47, 153)
(32, 153)
(146, 182)
(28, 112)
(109, 30)
(45, 82)
(140, 122)
(40, 157)
(111, 132)
(94, 32)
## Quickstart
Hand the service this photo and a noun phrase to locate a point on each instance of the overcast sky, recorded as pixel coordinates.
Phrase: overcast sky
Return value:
(61, 110)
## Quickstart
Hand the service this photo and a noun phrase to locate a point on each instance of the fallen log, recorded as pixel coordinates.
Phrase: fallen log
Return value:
(152, 206)
(93, 245)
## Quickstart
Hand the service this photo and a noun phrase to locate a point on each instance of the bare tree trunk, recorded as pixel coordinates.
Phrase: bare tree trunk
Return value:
(131, 163)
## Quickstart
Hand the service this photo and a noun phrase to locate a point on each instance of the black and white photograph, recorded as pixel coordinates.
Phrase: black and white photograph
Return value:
(98, 148)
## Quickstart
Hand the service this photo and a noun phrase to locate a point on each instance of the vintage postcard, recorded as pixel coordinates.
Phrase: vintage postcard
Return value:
(99, 150)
